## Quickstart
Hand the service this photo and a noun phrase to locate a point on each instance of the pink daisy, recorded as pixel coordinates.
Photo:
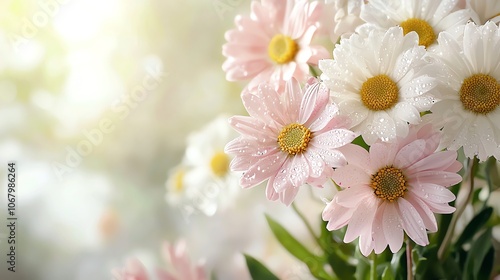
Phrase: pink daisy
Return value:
(272, 45)
(177, 259)
(183, 269)
(133, 270)
(393, 189)
(290, 139)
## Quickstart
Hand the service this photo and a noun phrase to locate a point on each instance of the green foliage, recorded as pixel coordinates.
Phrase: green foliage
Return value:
(257, 270)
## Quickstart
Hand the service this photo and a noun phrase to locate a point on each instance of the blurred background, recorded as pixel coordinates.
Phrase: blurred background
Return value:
(97, 102)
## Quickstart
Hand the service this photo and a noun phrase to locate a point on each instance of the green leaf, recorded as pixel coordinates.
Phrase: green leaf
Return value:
(487, 266)
(342, 268)
(257, 270)
(397, 263)
(388, 274)
(479, 250)
(474, 226)
(363, 267)
(360, 142)
(420, 263)
(313, 262)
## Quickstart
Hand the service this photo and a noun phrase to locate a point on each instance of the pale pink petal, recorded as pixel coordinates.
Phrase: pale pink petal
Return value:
(293, 97)
(366, 243)
(242, 163)
(412, 222)
(299, 170)
(350, 175)
(336, 215)
(442, 178)
(316, 164)
(352, 196)
(252, 128)
(455, 167)
(432, 192)
(315, 99)
(288, 195)
(281, 180)
(379, 241)
(362, 218)
(393, 228)
(423, 210)
(318, 53)
(409, 154)
(357, 156)
(250, 147)
(262, 169)
(437, 161)
(329, 119)
(382, 155)
(271, 194)
(332, 157)
(441, 208)
(334, 138)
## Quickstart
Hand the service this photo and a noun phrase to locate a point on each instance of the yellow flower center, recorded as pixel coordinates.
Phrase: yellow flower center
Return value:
(219, 164)
(179, 180)
(389, 183)
(480, 94)
(426, 35)
(379, 93)
(282, 49)
(294, 138)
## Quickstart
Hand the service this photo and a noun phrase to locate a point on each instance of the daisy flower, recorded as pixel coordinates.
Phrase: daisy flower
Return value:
(393, 189)
(426, 17)
(346, 18)
(182, 268)
(485, 10)
(290, 139)
(177, 259)
(204, 179)
(133, 270)
(469, 110)
(382, 82)
(273, 44)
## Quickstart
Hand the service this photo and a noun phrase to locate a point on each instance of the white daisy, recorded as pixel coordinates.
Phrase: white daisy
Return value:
(469, 111)
(381, 82)
(346, 17)
(426, 17)
(203, 182)
(485, 10)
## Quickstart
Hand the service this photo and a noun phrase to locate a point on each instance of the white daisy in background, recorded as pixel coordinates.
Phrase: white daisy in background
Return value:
(469, 110)
(176, 189)
(485, 10)
(346, 17)
(203, 182)
(381, 82)
(426, 17)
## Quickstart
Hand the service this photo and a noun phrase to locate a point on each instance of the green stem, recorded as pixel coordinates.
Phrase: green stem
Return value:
(313, 71)
(373, 268)
(308, 226)
(459, 211)
(409, 263)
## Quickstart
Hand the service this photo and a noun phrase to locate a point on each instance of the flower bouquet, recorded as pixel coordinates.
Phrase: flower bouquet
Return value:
(402, 114)
(393, 107)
